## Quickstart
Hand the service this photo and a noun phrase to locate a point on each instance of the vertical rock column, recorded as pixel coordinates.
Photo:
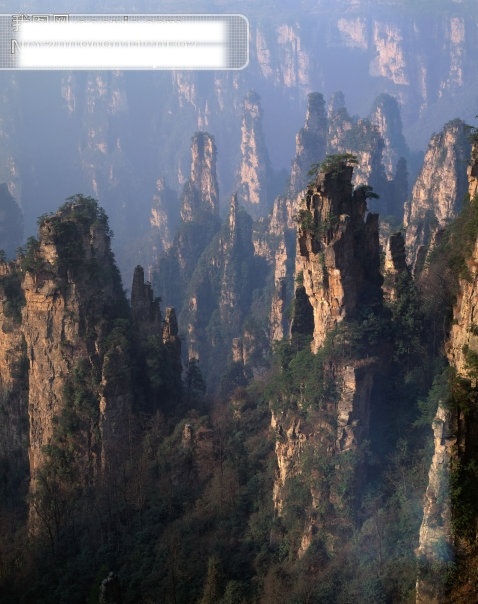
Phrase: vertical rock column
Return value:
(337, 277)
(453, 429)
(337, 250)
(439, 191)
(254, 176)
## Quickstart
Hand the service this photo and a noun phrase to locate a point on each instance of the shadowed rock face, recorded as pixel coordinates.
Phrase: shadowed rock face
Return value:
(454, 430)
(385, 115)
(439, 190)
(199, 222)
(310, 143)
(11, 222)
(65, 297)
(144, 306)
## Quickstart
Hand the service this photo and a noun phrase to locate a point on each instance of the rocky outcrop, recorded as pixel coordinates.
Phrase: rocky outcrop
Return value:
(337, 133)
(310, 143)
(164, 217)
(454, 429)
(342, 428)
(337, 274)
(13, 379)
(472, 172)
(392, 184)
(144, 305)
(339, 122)
(395, 265)
(62, 340)
(385, 115)
(219, 297)
(103, 160)
(337, 249)
(160, 342)
(439, 190)
(170, 335)
(201, 194)
(463, 340)
(76, 364)
(11, 222)
(359, 137)
(281, 242)
(254, 178)
(279, 304)
(199, 222)
(435, 548)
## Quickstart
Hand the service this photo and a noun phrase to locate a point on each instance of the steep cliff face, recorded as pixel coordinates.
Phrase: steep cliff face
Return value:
(339, 122)
(164, 217)
(13, 381)
(337, 249)
(310, 143)
(385, 115)
(219, 298)
(454, 430)
(201, 195)
(463, 338)
(377, 144)
(274, 236)
(11, 222)
(254, 178)
(443, 532)
(436, 535)
(290, 67)
(199, 222)
(391, 60)
(337, 275)
(359, 137)
(10, 128)
(103, 160)
(159, 346)
(65, 297)
(144, 305)
(395, 265)
(283, 266)
(439, 191)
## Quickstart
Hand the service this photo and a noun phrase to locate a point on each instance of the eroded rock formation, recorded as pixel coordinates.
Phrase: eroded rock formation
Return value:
(310, 143)
(439, 190)
(201, 193)
(254, 178)
(199, 222)
(395, 265)
(337, 273)
(11, 222)
(68, 356)
(337, 249)
(454, 427)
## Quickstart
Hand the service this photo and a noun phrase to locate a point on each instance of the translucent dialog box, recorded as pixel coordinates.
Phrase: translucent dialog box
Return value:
(122, 42)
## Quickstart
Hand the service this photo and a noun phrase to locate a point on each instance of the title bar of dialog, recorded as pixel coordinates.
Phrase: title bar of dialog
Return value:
(127, 42)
